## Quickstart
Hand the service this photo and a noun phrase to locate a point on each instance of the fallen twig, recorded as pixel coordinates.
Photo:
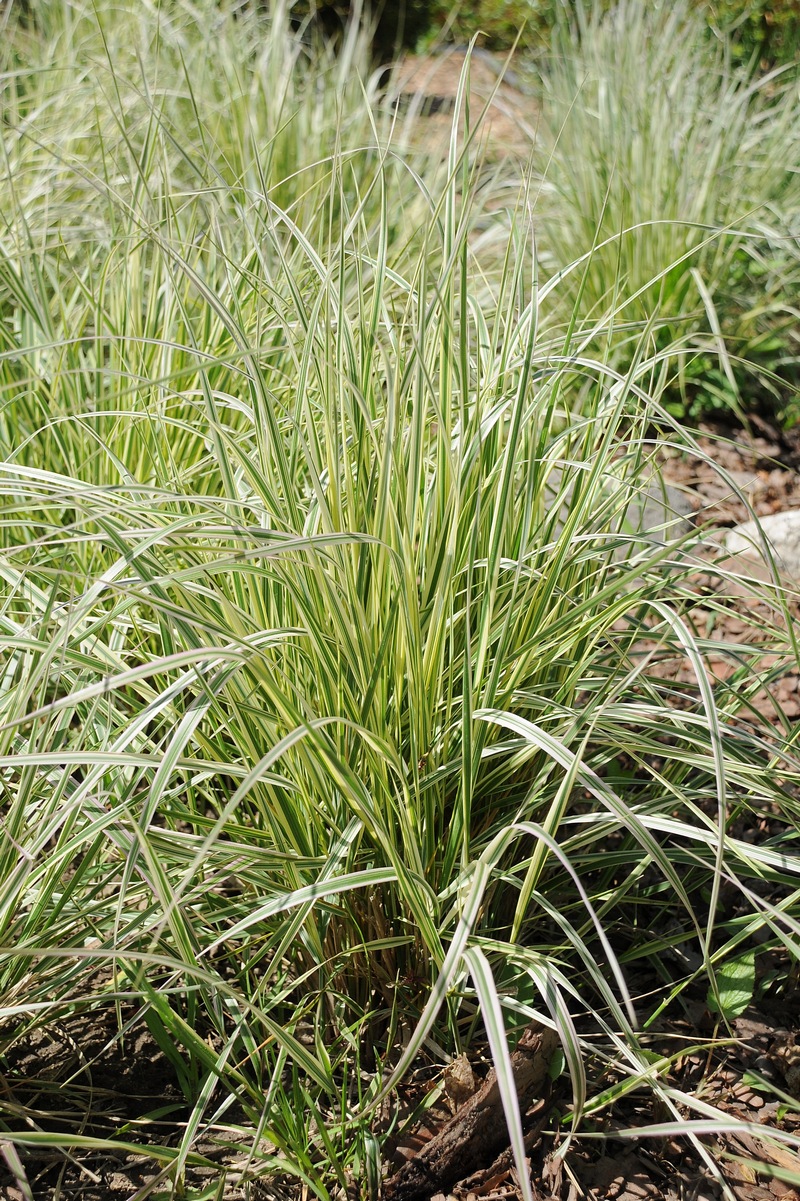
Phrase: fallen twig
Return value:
(472, 1138)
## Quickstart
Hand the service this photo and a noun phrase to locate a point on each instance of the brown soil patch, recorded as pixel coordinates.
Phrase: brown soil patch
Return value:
(762, 464)
(737, 474)
(80, 1078)
(424, 91)
(606, 1164)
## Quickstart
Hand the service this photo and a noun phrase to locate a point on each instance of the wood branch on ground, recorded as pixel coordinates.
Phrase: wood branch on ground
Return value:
(475, 1135)
(479, 1181)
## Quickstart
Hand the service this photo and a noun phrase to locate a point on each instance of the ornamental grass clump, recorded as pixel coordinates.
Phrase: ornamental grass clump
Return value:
(672, 170)
(325, 726)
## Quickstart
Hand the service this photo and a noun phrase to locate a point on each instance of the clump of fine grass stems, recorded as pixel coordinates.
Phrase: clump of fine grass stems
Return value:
(324, 726)
(673, 169)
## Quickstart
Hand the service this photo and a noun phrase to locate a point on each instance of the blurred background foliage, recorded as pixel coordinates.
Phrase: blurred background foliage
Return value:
(762, 34)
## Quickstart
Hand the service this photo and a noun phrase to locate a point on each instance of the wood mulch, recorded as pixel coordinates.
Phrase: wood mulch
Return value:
(607, 1163)
(762, 465)
(425, 1163)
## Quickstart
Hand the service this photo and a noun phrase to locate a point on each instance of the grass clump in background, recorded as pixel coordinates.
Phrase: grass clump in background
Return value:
(758, 34)
(325, 727)
(673, 171)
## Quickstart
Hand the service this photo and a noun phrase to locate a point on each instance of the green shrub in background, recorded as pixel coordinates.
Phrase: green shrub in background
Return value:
(498, 21)
(761, 33)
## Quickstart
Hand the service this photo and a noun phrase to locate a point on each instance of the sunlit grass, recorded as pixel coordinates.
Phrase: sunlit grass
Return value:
(324, 727)
(675, 167)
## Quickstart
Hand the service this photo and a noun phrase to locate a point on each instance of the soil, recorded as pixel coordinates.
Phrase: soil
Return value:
(762, 464)
(604, 1164)
(429, 86)
(80, 1077)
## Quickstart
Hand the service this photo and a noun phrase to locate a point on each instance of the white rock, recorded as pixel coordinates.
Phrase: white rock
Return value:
(782, 531)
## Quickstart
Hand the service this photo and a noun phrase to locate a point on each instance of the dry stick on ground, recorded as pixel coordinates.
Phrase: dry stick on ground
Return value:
(501, 1166)
(474, 1136)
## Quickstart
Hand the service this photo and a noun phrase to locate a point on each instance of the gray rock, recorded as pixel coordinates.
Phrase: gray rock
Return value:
(658, 514)
(663, 512)
(782, 531)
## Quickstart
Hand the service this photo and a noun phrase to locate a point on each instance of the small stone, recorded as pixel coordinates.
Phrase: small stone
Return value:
(782, 532)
